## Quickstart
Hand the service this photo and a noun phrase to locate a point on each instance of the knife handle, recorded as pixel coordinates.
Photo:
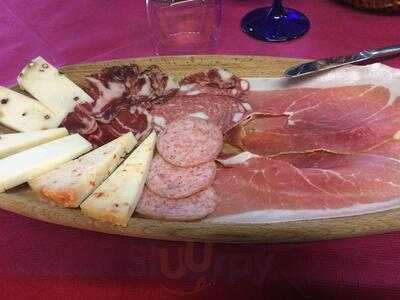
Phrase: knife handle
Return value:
(382, 52)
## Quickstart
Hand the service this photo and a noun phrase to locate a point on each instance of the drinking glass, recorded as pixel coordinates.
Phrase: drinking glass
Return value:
(276, 23)
(184, 26)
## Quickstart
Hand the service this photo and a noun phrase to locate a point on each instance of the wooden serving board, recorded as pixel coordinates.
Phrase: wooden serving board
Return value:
(23, 201)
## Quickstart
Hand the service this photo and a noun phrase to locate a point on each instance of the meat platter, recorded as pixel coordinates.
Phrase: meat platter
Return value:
(266, 160)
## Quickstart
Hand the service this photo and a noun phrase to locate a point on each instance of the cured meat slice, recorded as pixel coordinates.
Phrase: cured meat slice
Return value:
(389, 149)
(123, 95)
(306, 186)
(81, 121)
(169, 181)
(341, 120)
(121, 120)
(347, 110)
(327, 146)
(128, 82)
(192, 208)
(216, 81)
(190, 142)
(223, 111)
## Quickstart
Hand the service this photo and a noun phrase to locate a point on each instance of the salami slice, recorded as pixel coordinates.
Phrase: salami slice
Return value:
(169, 181)
(221, 110)
(191, 208)
(190, 142)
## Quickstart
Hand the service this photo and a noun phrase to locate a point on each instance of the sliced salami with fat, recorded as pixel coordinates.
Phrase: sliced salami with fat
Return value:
(169, 181)
(190, 142)
(221, 110)
(191, 208)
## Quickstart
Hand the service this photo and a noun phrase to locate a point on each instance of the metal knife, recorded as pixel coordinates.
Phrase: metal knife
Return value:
(334, 62)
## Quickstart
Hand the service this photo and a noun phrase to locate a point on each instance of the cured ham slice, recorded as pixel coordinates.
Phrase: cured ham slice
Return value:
(216, 81)
(123, 96)
(341, 120)
(345, 111)
(324, 147)
(306, 186)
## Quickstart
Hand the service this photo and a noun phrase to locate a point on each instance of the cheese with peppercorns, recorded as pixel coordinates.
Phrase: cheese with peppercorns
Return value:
(23, 113)
(115, 200)
(51, 88)
(71, 183)
(16, 142)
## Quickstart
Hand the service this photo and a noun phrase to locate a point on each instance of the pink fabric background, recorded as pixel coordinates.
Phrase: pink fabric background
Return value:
(45, 261)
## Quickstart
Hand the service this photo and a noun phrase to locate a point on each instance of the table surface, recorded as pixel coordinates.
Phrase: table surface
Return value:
(40, 260)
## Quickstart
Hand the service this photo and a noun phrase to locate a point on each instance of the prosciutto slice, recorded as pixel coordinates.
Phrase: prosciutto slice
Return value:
(306, 186)
(324, 147)
(345, 111)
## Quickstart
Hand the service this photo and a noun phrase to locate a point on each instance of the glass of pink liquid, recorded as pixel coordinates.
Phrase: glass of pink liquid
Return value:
(184, 26)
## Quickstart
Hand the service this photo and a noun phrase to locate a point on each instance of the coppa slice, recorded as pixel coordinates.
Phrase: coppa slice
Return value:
(31, 163)
(169, 181)
(122, 96)
(190, 142)
(115, 200)
(192, 208)
(119, 120)
(222, 110)
(306, 186)
(71, 183)
(23, 113)
(16, 142)
(52, 88)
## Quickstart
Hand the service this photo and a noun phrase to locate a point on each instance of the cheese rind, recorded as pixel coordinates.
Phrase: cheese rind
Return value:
(23, 113)
(116, 199)
(26, 165)
(69, 184)
(51, 87)
(16, 142)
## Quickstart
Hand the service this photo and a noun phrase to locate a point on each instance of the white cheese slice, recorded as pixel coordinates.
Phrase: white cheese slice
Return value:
(116, 199)
(23, 113)
(71, 183)
(28, 164)
(16, 142)
(51, 87)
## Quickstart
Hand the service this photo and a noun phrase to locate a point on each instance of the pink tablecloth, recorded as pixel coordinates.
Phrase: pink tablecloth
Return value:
(44, 261)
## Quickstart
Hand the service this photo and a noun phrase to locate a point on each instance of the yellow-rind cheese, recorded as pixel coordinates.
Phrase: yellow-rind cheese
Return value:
(115, 200)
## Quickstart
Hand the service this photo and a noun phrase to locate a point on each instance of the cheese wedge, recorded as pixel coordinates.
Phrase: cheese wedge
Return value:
(51, 87)
(23, 113)
(116, 199)
(16, 142)
(71, 183)
(28, 164)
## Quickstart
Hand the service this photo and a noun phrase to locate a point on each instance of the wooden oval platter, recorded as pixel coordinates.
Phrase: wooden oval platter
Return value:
(23, 201)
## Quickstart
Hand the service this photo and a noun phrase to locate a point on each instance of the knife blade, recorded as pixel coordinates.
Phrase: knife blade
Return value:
(335, 62)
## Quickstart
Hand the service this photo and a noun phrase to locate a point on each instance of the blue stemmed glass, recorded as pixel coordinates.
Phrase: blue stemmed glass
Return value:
(275, 23)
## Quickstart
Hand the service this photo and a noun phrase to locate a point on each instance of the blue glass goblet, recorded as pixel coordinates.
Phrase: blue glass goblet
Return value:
(276, 23)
